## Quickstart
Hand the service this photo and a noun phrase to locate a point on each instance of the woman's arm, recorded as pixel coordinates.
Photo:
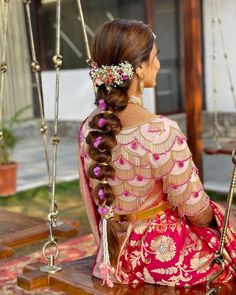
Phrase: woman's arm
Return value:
(203, 219)
(180, 177)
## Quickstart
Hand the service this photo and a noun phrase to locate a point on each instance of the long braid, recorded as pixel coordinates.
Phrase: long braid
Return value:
(101, 140)
(119, 47)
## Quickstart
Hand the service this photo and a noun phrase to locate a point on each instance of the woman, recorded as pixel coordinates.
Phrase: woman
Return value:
(147, 207)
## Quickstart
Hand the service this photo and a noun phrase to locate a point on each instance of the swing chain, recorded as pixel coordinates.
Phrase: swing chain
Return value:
(51, 247)
(220, 260)
(216, 124)
(216, 20)
(3, 64)
(55, 140)
(219, 256)
(43, 129)
(81, 18)
(79, 6)
(37, 75)
(35, 66)
(225, 55)
(3, 67)
(57, 60)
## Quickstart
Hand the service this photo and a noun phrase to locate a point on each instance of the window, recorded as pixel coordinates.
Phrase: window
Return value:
(167, 28)
(95, 13)
(166, 18)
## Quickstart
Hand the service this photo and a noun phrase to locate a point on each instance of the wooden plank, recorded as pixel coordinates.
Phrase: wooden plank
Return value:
(75, 278)
(32, 266)
(18, 229)
(226, 149)
(32, 280)
(5, 251)
(193, 78)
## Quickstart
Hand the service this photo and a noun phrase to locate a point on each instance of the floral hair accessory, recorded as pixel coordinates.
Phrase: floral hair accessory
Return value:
(111, 75)
(105, 211)
(97, 142)
(102, 122)
(102, 104)
(97, 170)
(101, 194)
(106, 271)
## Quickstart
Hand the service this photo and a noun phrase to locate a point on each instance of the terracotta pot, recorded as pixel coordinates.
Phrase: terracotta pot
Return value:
(8, 179)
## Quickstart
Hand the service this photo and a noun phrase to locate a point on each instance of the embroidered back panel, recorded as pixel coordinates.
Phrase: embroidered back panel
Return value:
(152, 161)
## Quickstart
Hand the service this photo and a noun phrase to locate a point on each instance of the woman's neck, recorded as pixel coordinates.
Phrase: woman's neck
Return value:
(134, 89)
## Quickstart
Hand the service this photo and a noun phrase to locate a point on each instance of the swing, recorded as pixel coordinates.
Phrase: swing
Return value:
(75, 277)
(18, 229)
(229, 146)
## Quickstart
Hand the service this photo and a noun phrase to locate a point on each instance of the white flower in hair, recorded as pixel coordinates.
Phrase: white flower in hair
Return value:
(111, 75)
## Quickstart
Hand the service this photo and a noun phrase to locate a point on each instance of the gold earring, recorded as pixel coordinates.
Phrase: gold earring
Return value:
(141, 84)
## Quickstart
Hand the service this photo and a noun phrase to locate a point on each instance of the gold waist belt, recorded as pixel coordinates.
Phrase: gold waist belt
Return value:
(144, 214)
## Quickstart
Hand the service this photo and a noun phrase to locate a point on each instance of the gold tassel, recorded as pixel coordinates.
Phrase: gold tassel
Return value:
(193, 209)
(178, 199)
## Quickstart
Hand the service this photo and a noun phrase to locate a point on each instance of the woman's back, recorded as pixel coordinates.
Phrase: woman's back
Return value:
(152, 161)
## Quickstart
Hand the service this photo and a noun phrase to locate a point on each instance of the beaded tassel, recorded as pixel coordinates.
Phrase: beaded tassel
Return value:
(106, 270)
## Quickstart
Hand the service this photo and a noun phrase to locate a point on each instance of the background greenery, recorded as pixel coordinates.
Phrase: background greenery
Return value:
(35, 202)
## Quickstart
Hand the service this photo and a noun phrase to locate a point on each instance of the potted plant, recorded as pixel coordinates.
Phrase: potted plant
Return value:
(8, 168)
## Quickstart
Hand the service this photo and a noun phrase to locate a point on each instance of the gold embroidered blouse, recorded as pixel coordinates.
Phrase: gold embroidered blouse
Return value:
(152, 163)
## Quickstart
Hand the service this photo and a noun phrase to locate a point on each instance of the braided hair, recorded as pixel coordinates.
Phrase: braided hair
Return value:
(115, 41)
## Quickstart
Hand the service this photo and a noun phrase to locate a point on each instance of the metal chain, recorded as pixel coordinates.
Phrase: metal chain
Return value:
(215, 92)
(80, 11)
(229, 203)
(37, 75)
(52, 216)
(225, 54)
(216, 19)
(3, 64)
(57, 60)
(81, 18)
(219, 255)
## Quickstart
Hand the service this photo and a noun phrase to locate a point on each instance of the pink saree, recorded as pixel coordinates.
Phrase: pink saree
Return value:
(153, 164)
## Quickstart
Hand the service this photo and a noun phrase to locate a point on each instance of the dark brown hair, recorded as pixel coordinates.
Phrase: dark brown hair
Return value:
(114, 41)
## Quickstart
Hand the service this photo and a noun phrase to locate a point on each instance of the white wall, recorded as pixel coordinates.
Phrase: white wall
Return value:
(76, 94)
(227, 11)
(77, 97)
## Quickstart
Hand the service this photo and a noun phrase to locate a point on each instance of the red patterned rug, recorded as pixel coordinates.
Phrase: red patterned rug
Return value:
(70, 250)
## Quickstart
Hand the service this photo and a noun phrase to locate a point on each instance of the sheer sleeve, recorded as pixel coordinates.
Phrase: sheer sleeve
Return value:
(172, 163)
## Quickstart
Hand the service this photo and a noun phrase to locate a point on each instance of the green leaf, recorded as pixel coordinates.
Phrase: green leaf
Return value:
(10, 137)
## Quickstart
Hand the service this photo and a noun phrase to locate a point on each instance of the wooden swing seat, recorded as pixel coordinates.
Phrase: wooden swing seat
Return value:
(225, 150)
(18, 229)
(75, 278)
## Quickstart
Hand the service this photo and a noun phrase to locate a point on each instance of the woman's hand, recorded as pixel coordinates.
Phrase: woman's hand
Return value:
(202, 219)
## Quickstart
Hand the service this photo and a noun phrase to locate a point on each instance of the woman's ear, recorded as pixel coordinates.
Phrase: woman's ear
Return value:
(139, 70)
